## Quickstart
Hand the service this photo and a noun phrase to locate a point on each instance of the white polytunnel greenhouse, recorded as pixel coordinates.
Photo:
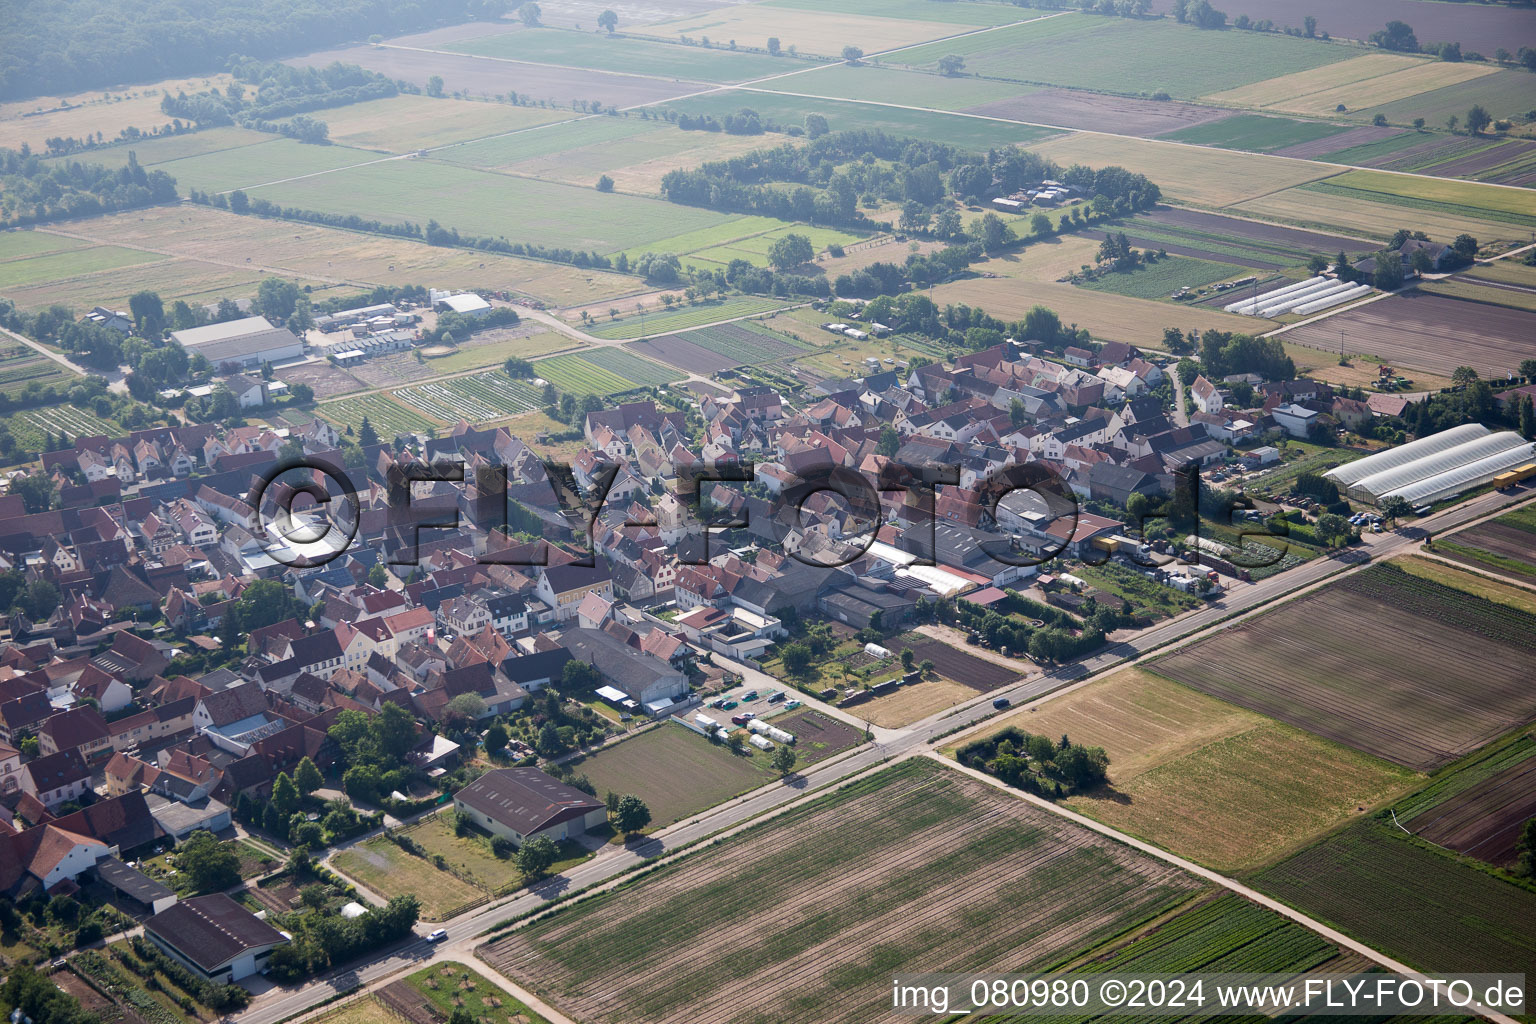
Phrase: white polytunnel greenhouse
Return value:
(1435, 467)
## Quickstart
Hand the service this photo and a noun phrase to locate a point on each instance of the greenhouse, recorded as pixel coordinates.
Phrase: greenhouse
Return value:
(1435, 467)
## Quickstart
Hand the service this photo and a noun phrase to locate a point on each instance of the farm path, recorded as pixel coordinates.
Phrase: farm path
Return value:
(115, 377)
(1488, 574)
(1181, 392)
(275, 1005)
(1333, 935)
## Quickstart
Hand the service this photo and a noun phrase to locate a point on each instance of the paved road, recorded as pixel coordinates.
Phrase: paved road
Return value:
(277, 1005)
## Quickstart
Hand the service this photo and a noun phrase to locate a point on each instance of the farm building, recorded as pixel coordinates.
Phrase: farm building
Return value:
(214, 936)
(520, 803)
(1435, 467)
(247, 342)
(465, 303)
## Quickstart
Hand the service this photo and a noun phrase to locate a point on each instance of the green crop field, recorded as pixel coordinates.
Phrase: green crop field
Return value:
(529, 143)
(681, 318)
(163, 149)
(623, 54)
(754, 249)
(1504, 93)
(1255, 132)
(603, 371)
(896, 85)
(1161, 279)
(19, 244)
(1118, 55)
(481, 203)
(54, 266)
(966, 132)
(245, 166)
(960, 12)
(21, 366)
(383, 413)
(917, 864)
(675, 771)
(1420, 904)
(636, 370)
(33, 427)
(1437, 195)
(478, 398)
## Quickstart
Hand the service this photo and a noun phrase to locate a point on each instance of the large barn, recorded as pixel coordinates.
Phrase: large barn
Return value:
(1435, 467)
(247, 342)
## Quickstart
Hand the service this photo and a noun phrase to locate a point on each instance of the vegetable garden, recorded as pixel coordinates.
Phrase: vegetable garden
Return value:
(490, 395)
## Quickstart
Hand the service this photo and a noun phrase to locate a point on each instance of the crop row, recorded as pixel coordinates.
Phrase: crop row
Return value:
(477, 398)
(576, 376)
(387, 417)
(66, 418)
(1445, 605)
(742, 343)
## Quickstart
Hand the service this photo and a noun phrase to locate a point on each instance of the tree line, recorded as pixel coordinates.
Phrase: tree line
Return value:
(33, 191)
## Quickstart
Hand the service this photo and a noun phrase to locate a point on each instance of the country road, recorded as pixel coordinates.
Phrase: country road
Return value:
(918, 739)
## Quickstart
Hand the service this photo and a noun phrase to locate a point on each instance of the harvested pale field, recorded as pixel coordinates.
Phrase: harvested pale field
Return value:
(1044, 261)
(484, 77)
(1073, 108)
(1365, 217)
(637, 164)
(913, 703)
(1415, 329)
(1385, 79)
(1446, 674)
(623, 54)
(1192, 174)
(1109, 317)
(978, 14)
(405, 123)
(167, 148)
(1323, 364)
(815, 32)
(309, 250)
(108, 112)
(191, 280)
(919, 868)
(1196, 775)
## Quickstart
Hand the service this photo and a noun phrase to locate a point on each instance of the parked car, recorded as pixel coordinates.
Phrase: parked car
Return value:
(728, 705)
(743, 718)
(438, 936)
(775, 696)
(791, 705)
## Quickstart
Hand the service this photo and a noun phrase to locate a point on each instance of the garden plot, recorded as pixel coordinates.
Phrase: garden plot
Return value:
(478, 398)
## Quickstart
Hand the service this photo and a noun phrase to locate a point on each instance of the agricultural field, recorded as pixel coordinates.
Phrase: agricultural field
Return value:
(917, 867)
(1161, 279)
(1110, 317)
(245, 166)
(73, 262)
(913, 703)
(1445, 915)
(1459, 684)
(449, 986)
(1410, 329)
(26, 243)
(1459, 198)
(492, 348)
(327, 380)
(682, 317)
(194, 281)
(1353, 212)
(484, 78)
(960, 666)
(636, 163)
(897, 85)
(821, 32)
(676, 771)
(961, 12)
(383, 413)
(1480, 808)
(34, 121)
(711, 349)
(843, 115)
(402, 124)
(1505, 93)
(20, 367)
(625, 54)
(1255, 132)
(1082, 51)
(1358, 83)
(32, 428)
(1211, 178)
(1471, 289)
(597, 133)
(754, 249)
(817, 736)
(154, 153)
(1100, 112)
(481, 203)
(603, 371)
(364, 1010)
(1506, 545)
(478, 398)
(1192, 773)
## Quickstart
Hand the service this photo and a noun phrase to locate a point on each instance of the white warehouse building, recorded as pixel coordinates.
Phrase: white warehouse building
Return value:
(1435, 467)
(247, 342)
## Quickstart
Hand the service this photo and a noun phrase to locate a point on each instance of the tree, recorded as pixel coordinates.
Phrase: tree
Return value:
(991, 232)
(852, 54)
(1396, 36)
(277, 298)
(536, 857)
(496, 739)
(605, 184)
(1333, 529)
(530, 13)
(285, 794)
(1175, 342)
(468, 706)
(212, 865)
(548, 744)
(1451, 123)
(37, 492)
(789, 252)
(1528, 418)
(797, 658)
(265, 602)
(1477, 119)
(1528, 369)
(783, 759)
(148, 313)
(1462, 376)
(307, 777)
(608, 21)
(1203, 15)
(366, 435)
(1309, 27)
(1525, 849)
(1418, 124)
(1465, 246)
(889, 443)
(1040, 226)
(631, 815)
(951, 64)
(926, 667)
(1396, 507)
(302, 393)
